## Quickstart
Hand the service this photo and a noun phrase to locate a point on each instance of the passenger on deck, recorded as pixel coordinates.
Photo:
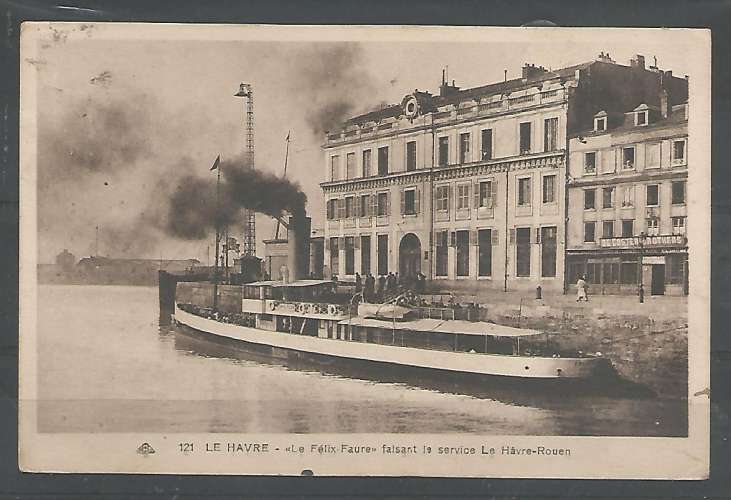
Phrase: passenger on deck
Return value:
(358, 283)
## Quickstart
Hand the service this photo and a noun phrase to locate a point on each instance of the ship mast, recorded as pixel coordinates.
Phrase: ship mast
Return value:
(286, 156)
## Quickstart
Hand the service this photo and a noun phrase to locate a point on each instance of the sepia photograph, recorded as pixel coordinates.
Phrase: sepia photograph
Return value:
(365, 250)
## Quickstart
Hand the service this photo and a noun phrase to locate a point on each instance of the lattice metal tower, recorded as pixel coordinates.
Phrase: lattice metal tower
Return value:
(249, 236)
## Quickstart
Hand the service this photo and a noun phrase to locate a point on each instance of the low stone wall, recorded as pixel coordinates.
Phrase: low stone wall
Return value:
(643, 350)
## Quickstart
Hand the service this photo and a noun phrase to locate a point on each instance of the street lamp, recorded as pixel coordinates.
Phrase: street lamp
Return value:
(643, 237)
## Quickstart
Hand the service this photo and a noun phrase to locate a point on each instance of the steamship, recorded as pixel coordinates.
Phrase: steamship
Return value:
(305, 318)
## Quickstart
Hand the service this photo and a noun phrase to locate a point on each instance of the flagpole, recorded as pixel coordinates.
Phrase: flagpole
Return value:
(218, 238)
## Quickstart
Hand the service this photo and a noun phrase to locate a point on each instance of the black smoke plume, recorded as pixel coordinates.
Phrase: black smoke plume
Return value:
(336, 83)
(193, 213)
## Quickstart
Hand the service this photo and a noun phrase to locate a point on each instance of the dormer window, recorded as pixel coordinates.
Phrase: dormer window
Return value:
(641, 118)
(600, 121)
(642, 115)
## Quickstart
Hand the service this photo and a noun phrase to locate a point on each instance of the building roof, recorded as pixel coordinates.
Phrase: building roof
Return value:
(435, 101)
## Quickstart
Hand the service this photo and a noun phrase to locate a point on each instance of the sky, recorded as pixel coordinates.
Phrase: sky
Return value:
(126, 122)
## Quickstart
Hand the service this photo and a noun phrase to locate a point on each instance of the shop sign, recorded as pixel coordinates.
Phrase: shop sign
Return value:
(649, 241)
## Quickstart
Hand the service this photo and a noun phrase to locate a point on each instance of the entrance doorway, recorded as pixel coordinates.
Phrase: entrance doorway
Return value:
(409, 256)
(658, 279)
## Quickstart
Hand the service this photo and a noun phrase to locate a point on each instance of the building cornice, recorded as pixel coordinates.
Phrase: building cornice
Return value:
(524, 162)
(604, 180)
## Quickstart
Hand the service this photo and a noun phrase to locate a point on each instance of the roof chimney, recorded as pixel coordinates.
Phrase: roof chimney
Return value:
(638, 61)
(445, 89)
(532, 71)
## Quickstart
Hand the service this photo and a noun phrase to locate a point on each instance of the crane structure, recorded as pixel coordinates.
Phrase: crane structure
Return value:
(249, 237)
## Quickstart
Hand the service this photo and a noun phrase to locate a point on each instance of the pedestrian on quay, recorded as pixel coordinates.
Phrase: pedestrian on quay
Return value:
(358, 283)
(370, 284)
(381, 287)
(581, 289)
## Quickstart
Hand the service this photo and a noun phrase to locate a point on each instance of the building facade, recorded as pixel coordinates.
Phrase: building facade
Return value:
(468, 186)
(628, 201)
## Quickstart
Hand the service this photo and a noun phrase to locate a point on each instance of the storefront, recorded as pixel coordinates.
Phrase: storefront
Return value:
(614, 268)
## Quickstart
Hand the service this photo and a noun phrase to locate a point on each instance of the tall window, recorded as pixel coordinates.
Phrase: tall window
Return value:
(382, 206)
(679, 193)
(628, 228)
(486, 145)
(522, 241)
(548, 251)
(524, 192)
(332, 209)
(463, 253)
(525, 137)
(550, 134)
(334, 256)
(678, 152)
(653, 226)
(678, 225)
(608, 229)
(628, 157)
(383, 160)
(411, 155)
(485, 197)
(349, 207)
(335, 168)
(652, 155)
(463, 196)
(364, 205)
(442, 246)
(349, 255)
(367, 163)
(365, 255)
(607, 197)
(464, 147)
(589, 232)
(410, 205)
(628, 196)
(443, 151)
(442, 198)
(589, 199)
(653, 195)
(590, 163)
(484, 252)
(350, 166)
(382, 254)
(549, 189)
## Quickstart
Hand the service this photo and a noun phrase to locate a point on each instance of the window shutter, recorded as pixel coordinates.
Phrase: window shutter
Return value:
(476, 197)
(388, 203)
(403, 202)
(512, 236)
(473, 237)
(341, 209)
(538, 235)
(327, 244)
(449, 198)
(417, 201)
(356, 242)
(493, 194)
(495, 238)
(372, 199)
(453, 238)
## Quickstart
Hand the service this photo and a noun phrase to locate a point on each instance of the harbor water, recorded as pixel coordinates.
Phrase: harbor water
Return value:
(108, 361)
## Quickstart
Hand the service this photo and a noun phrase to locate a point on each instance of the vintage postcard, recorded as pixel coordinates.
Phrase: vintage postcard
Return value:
(386, 251)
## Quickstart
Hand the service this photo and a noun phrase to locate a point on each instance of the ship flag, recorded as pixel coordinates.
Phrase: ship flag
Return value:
(215, 163)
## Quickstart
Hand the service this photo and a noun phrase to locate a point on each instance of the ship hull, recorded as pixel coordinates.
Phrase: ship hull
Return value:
(284, 346)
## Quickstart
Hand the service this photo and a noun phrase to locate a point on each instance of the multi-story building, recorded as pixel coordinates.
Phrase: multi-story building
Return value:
(628, 201)
(468, 186)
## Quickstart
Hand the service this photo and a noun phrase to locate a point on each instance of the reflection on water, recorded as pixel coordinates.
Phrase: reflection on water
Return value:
(110, 362)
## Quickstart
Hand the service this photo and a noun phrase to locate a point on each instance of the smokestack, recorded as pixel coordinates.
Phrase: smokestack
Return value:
(298, 247)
